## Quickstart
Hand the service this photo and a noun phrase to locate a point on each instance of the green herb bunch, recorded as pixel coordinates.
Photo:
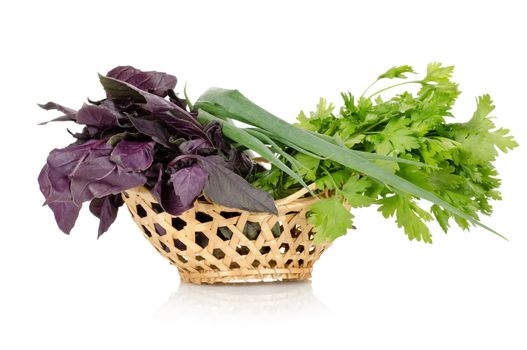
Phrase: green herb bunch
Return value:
(409, 126)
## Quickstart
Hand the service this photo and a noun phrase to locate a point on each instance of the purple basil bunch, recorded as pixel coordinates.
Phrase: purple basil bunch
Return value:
(143, 134)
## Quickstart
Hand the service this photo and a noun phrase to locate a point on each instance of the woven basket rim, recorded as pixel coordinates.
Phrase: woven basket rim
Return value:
(294, 201)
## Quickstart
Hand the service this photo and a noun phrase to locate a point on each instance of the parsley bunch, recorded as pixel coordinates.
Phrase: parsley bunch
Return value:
(408, 126)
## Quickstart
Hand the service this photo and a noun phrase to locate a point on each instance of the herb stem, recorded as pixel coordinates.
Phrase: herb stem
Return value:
(392, 86)
(366, 90)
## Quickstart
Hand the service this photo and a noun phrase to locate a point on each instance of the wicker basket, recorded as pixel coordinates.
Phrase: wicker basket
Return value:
(214, 244)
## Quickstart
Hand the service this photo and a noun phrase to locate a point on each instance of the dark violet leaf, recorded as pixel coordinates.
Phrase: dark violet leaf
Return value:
(55, 106)
(238, 161)
(164, 193)
(183, 124)
(106, 209)
(54, 186)
(153, 127)
(195, 146)
(99, 116)
(149, 102)
(69, 114)
(54, 179)
(133, 155)
(157, 83)
(231, 190)
(66, 214)
(97, 177)
(188, 183)
(215, 135)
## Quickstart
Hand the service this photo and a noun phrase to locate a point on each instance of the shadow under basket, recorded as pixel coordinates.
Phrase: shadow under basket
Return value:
(211, 243)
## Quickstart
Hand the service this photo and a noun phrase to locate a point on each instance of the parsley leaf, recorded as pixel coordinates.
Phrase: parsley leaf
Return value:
(396, 72)
(330, 219)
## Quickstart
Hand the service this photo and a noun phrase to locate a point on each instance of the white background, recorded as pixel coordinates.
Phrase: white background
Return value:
(372, 290)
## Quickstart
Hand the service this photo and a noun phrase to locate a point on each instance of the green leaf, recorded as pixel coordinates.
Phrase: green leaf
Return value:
(330, 219)
(309, 166)
(354, 190)
(408, 216)
(397, 72)
(435, 72)
(396, 138)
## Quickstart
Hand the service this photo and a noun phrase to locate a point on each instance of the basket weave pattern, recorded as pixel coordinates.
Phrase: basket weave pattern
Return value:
(214, 244)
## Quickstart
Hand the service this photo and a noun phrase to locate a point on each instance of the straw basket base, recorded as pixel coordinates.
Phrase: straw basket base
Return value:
(252, 276)
(210, 243)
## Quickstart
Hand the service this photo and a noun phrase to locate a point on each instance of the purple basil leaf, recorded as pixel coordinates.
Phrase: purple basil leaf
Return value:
(97, 177)
(133, 155)
(194, 146)
(149, 102)
(69, 114)
(213, 132)
(238, 161)
(157, 83)
(54, 179)
(55, 106)
(153, 127)
(227, 188)
(106, 209)
(188, 183)
(183, 124)
(164, 193)
(98, 116)
(54, 186)
(66, 214)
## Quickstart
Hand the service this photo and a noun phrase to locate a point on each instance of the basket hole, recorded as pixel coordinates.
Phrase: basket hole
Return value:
(201, 239)
(272, 263)
(300, 249)
(160, 230)
(229, 214)
(291, 213)
(178, 223)
(203, 218)
(234, 265)
(218, 253)
(265, 249)
(242, 250)
(255, 263)
(199, 269)
(252, 230)
(311, 250)
(157, 208)
(141, 212)
(214, 267)
(288, 262)
(284, 247)
(296, 231)
(277, 229)
(199, 257)
(180, 245)
(165, 247)
(311, 235)
(126, 194)
(182, 258)
(145, 230)
(224, 233)
(300, 262)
